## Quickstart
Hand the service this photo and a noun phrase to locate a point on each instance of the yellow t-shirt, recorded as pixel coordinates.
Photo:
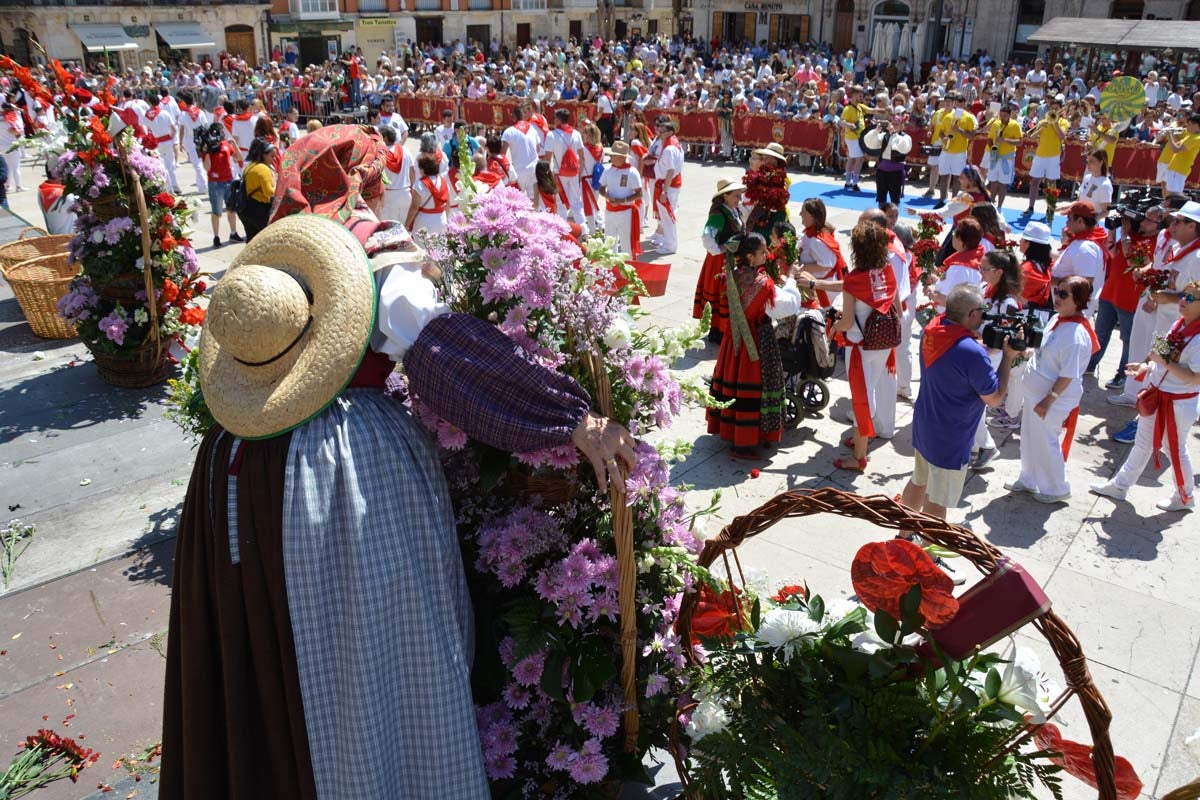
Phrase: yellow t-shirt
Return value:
(935, 126)
(1182, 161)
(1110, 148)
(958, 141)
(1010, 131)
(853, 114)
(1048, 144)
(259, 182)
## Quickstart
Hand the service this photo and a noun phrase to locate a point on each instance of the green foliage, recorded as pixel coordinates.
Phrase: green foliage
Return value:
(185, 405)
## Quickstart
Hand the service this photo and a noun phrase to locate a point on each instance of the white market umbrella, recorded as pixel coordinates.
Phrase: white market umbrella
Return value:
(918, 44)
(893, 39)
(877, 41)
(906, 40)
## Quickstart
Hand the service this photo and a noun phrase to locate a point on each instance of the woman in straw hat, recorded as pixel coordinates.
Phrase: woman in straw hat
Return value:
(766, 199)
(321, 632)
(723, 223)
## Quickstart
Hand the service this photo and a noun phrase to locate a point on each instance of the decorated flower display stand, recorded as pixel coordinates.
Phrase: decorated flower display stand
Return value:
(922, 663)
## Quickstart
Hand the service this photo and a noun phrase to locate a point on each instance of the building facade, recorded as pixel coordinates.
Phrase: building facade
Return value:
(132, 35)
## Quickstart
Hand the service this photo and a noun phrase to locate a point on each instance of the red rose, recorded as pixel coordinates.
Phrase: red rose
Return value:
(192, 316)
(168, 219)
(789, 593)
(199, 287)
(165, 199)
(883, 572)
(169, 291)
(715, 616)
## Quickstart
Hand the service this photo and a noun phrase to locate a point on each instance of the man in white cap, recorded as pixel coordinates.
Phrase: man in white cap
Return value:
(621, 188)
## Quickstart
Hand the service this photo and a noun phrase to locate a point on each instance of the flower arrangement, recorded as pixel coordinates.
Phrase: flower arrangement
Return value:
(855, 699)
(544, 577)
(103, 152)
(1169, 346)
(1152, 280)
(44, 758)
(926, 247)
(185, 404)
(1051, 194)
(767, 188)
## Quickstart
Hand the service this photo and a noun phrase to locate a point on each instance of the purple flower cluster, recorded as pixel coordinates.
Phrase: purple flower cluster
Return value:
(114, 326)
(111, 232)
(77, 304)
(498, 734)
(507, 544)
(581, 587)
(448, 436)
(149, 168)
(659, 397)
(563, 457)
(586, 765)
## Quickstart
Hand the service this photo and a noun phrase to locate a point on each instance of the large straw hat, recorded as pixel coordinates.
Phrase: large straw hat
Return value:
(725, 186)
(286, 327)
(774, 150)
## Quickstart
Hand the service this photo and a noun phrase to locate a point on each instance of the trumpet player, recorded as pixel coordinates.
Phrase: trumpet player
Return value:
(1180, 148)
(1051, 135)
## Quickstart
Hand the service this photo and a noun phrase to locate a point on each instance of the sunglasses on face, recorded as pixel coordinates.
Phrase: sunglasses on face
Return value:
(1187, 298)
(1062, 294)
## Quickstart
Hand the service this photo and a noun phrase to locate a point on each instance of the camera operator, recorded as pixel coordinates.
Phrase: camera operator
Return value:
(1083, 257)
(1053, 386)
(1002, 281)
(957, 381)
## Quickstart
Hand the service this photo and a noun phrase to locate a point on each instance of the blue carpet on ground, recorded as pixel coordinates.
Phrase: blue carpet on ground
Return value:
(837, 197)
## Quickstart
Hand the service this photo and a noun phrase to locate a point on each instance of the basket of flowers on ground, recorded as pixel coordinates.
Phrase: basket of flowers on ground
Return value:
(138, 286)
(893, 694)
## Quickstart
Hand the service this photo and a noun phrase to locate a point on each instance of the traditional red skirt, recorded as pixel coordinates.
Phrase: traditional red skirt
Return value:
(710, 288)
(755, 417)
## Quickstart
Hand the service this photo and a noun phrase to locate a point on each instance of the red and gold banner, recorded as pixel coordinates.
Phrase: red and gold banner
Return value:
(424, 109)
(797, 136)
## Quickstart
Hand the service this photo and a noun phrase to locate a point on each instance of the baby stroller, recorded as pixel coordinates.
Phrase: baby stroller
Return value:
(808, 359)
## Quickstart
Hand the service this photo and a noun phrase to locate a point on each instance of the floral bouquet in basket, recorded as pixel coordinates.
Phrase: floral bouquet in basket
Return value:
(537, 536)
(1051, 194)
(926, 247)
(854, 699)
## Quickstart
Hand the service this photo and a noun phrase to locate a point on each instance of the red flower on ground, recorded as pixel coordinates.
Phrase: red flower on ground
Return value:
(1076, 759)
(787, 594)
(715, 616)
(883, 572)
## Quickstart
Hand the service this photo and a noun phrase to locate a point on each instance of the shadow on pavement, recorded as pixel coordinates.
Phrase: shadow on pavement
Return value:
(1127, 535)
(1000, 517)
(69, 398)
(154, 552)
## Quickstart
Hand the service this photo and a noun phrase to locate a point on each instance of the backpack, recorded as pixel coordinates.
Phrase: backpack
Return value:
(882, 331)
(597, 171)
(237, 196)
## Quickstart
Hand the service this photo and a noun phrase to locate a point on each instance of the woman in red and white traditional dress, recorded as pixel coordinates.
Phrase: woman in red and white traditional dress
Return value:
(1053, 387)
(1176, 378)
(820, 254)
(724, 222)
(962, 266)
(749, 371)
(430, 198)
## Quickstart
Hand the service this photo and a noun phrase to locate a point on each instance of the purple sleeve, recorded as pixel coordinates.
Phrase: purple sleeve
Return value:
(475, 377)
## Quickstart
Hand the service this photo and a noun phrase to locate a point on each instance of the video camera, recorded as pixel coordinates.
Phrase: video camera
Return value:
(208, 138)
(1024, 330)
(1136, 203)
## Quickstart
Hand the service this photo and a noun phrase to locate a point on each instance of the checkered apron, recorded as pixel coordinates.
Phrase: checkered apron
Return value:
(379, 607)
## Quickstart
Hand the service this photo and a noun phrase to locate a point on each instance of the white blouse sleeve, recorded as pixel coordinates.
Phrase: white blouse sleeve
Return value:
(787, 301)
(407, 303)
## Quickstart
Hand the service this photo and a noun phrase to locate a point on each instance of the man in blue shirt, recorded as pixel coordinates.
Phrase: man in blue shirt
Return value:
(957, 381)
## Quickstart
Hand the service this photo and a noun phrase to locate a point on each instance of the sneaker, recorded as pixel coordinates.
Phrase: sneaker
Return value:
(995, 412)
(1127, 434)
(846, 186)
(235, 237)
(1007, 423)
(1122, 400)
(1028, 211)
(1116, 383)
(1017, 487)
(1107, 489)
(1051, 499)
(216, 241)
(1173, 503)
(985, 457)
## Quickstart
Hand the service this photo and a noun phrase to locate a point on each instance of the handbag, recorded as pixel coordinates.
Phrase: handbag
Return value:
(1148, 401)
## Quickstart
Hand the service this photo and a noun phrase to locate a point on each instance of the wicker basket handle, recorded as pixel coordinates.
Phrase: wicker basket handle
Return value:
(31, 229)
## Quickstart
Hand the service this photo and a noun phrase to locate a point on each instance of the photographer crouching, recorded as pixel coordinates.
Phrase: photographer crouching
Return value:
(957, 381)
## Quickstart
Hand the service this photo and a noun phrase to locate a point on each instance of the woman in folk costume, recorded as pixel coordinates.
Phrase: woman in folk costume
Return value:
(430, 199)
(1171, 375)
(820, 254)
(767, 184)
(1053, 387)
(749, 370)
(319, 593)
(723, 223)
(972, 190)
(870, 286)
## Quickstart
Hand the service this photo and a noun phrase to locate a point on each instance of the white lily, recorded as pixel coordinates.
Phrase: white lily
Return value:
(1019, 683)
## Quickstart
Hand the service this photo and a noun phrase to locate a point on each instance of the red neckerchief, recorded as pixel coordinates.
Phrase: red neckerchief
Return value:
(827, 238)
(49, 194)
(1183, 251)
(11, 118)
(153, 112)
(597, 152)
(395, 158)
(966, 258)
(243, 117)
(438, 193)
(567, 129)
(1087, 326)
(1073, 418)
(940, 335)
(866, 287)
(193, 112)
(638, 149)
(522, 125)
(550, 201)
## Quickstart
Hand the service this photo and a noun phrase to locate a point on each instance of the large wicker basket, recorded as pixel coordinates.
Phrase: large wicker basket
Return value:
(32, 243)
(887, 513)
(39, 283)
(1189, 792)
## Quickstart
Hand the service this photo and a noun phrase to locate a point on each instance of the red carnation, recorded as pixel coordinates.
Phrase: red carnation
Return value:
(715, 616)
(169, 291)
(789, 593)
(883, 572)
(168, 242)
(192, 316)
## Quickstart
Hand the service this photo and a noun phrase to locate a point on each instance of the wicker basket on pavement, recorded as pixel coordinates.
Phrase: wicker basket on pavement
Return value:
(1189, 792)
(887, 513)
(32, 243)
(39, 283)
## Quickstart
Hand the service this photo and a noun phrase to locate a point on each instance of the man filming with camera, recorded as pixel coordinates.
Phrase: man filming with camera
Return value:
(957, 381)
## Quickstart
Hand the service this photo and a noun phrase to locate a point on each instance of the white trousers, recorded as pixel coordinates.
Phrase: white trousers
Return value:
(428, 223)
(574, 204)
(881, 388)
(166, 152)
(1015, 399)
(904, 356)
(1140, 340)
(619, 225)
(1143, 448)
(528, 183)
(1042, 465)
(670, 231)
(14, 169)
(983, 437)
(396, 204)
(194, 158)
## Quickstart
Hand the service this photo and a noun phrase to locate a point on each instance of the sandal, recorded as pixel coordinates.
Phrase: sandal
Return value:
(851, 464)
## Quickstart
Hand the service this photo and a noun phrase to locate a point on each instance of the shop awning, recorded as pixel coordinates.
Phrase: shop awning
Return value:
(1128, 34)
(184, 35)
(97, 37)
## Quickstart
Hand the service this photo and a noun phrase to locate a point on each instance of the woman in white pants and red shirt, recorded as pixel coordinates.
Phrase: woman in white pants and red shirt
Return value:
(1053, 386)
(1176, 376)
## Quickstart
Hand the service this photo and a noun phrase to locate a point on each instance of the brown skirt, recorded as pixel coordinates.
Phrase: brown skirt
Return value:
(233, 718)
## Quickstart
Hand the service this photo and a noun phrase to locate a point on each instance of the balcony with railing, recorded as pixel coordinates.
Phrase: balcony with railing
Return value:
(135, 3)
(314, 9)
(372, 5)
(529, 5)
